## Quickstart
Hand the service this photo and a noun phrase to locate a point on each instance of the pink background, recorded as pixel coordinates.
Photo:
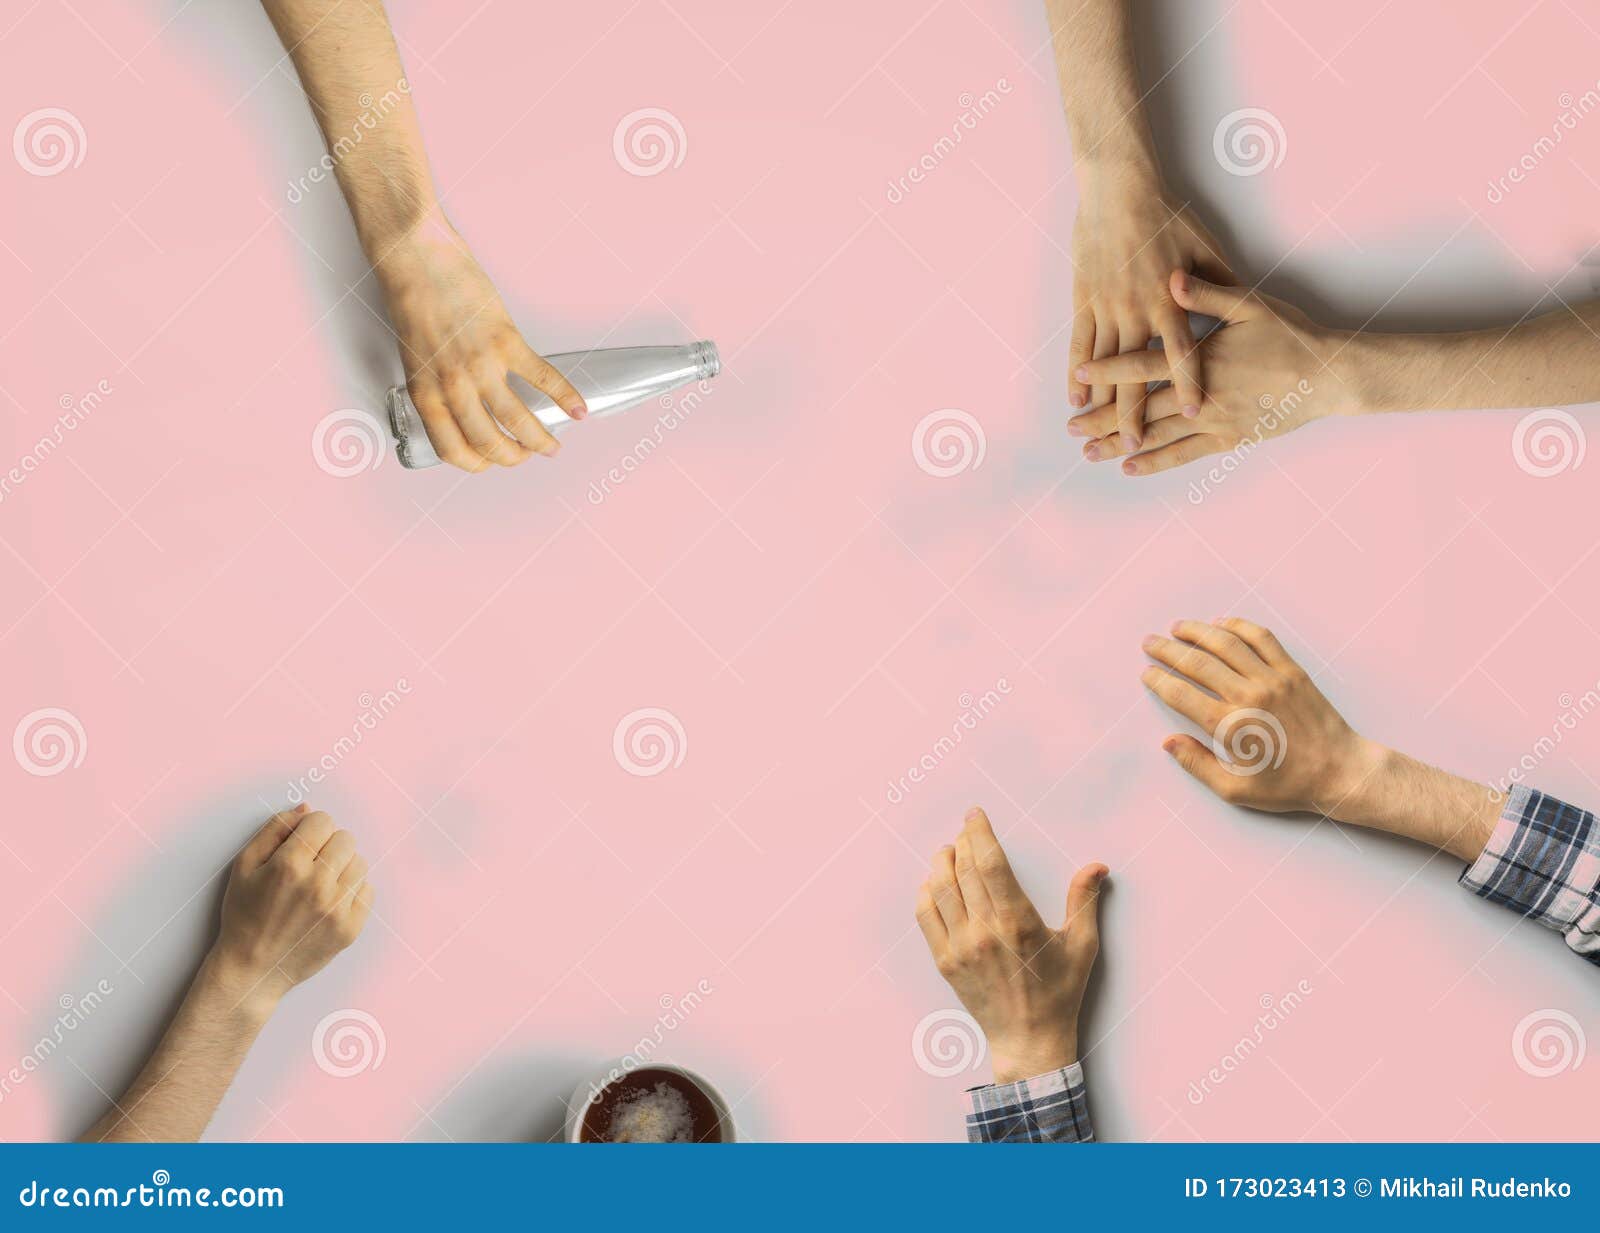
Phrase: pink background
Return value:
(780, 575)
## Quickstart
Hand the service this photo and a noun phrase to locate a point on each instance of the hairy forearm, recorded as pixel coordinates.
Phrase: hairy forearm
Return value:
(175, 1094)
(1099, 78)
(1386, 790)
(1551, 360)
(350, 69)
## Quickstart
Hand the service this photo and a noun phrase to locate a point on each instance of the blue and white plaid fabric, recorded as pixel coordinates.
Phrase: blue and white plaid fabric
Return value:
(1048, 1108)
(1543, 860)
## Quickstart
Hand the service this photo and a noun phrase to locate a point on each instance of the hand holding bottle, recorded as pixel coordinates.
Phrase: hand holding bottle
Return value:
(459, 345)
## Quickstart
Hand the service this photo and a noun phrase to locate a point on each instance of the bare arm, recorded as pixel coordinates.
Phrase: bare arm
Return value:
(297, 896)
(1130, 233)
(456, 339)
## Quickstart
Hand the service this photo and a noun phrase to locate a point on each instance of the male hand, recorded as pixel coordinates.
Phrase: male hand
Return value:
(1128, 239)
(296, 897)
(1285, 748)
(1270, 370)
(1022, 980)
(458, 344)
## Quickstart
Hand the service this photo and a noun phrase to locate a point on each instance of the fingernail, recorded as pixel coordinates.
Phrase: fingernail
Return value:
(303, 807)
(1082, 374)
(1075, 429)
(1149, 642)
(1129, 469)
(1182, 281)
(1170, 747)
(1092, 453)
(1190, 411)
(1076, 400)
(578, 412)
(1131, 440)
(974, 813)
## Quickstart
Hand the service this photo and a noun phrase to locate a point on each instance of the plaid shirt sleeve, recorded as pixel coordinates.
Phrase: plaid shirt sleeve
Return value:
(1048, 1108)
(1543, 860)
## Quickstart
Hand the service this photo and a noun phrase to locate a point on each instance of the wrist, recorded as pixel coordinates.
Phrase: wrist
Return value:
(1358, 787)
(394, 236)
(1119, 170)
(1032, 1057)
(246, 991)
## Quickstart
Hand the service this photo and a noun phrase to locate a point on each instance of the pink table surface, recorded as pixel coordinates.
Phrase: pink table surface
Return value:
(813, 608)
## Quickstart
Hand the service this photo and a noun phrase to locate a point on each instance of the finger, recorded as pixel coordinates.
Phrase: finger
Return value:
(946, 894)
(1105, 344)
(931, 923)
(1199, 296)
(1102, 421)
(301, 847)
(361, 906)
(1228, 647)
(337, 853)
(542, 375)
(1262, 641)
(1174, 455)
(515, 418)
(1080, 352)
(993, 866)
(1184, 698)
(444, 433)
(1082, 925)
(973, 892)
(1156, 434)
(1183, 357)
(481, 432)
(1198, 665)
(355, 873)
(1131, 395)
(1128, 368)
(260, 847)
(1196, 758)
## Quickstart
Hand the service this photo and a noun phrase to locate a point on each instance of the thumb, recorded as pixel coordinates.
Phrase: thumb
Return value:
(1082, 925)
(1199, 296)
(1200, 762)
